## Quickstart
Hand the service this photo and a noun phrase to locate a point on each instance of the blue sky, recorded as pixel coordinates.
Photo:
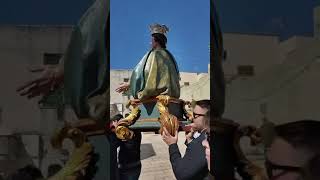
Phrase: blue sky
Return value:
(51, 12)
(188, 36)
(186, 39)
(283, 17)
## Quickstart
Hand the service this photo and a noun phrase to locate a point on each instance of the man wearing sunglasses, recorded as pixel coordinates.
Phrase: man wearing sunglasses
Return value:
(193, 165)
(295, 152)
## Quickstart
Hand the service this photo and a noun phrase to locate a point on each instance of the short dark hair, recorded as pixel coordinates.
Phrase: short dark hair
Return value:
(302, 134)
(204, 103)
(161, 39)
(305, 135)
(116, 117)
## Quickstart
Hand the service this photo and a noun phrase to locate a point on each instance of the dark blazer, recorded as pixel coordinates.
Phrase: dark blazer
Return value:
(193, 165)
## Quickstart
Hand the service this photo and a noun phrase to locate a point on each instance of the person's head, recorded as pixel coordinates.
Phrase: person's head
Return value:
(158, 41)
(201, 115)
(295, 151)
(116, 117)
(158, 33)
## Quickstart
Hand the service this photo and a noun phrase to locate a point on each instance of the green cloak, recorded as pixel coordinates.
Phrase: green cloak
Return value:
(156, 73)
(86, 59)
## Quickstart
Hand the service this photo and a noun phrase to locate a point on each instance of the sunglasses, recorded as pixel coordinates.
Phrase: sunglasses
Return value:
(195, 115)
(270, 167)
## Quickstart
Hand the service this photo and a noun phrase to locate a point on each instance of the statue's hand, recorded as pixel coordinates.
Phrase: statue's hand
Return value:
(123, 87)
(51, 78)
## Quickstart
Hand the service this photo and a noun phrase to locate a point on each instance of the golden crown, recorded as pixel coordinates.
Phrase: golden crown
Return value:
(157, 28)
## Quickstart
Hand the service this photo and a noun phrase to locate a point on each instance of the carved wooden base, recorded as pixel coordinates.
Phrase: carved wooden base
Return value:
(80, 157)
(167, 120)
(122, 130)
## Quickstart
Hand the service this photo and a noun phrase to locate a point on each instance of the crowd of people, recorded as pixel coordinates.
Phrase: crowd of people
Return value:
(194, 164)
(292, 149)
(292, 154)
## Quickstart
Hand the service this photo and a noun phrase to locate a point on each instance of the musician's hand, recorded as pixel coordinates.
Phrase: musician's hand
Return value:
(51, 78)
(123, 87)
(167, 138)
(189, 135)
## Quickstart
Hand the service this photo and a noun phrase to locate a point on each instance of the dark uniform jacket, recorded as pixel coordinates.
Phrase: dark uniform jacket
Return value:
(193, 165)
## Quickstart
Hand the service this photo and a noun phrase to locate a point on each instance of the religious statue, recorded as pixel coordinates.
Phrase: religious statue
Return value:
(154, 81)
(83, 76)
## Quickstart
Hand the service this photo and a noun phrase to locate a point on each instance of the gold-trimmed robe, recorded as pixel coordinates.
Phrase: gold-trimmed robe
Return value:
(156, 73)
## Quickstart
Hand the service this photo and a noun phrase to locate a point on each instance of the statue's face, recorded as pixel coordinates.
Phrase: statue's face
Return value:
(154, 44)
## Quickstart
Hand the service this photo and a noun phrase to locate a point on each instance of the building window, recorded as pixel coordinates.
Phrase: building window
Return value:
(245, 70)
(186, 83)
(126, 80)
(51, 58)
